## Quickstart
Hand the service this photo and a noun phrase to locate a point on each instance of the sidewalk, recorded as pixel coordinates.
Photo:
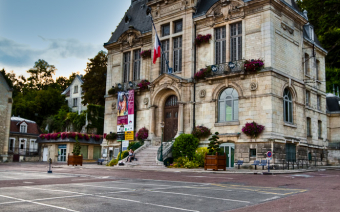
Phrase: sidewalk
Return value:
(199, 170)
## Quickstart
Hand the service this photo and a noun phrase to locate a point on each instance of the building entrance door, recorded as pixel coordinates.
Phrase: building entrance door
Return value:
(170, 118)
(62, 153)
(229, 150)
(45, 154)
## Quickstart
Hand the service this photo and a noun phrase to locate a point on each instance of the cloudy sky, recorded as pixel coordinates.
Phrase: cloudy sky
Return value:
(65, 33)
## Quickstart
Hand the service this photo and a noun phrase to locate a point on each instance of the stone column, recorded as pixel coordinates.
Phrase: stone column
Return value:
(180, 119)
(152, 122)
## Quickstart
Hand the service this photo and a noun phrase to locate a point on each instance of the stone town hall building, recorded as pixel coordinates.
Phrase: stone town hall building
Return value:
(287, 96)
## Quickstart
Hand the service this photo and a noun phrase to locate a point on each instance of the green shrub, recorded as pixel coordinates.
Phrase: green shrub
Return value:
(112, 162)
(185, 146)
(184, 162)
(199, 156)
(134, 145)
(124, 154)
(214, 145)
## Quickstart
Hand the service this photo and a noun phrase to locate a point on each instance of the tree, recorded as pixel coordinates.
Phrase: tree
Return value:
(214, 145)
(95, 80)
(41, 75)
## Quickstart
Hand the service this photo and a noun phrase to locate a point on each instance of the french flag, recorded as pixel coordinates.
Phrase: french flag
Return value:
(157, 49)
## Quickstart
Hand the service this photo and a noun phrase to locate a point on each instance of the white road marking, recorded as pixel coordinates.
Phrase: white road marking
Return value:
(38, 203)
(272, 198)
(140, 183)
(233, 200)
(228, 178)
(102, 186)
(11, 178)
(55, 190)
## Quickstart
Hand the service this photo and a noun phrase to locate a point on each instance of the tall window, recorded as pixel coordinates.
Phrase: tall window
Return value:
(165, 56)
(309, 127)
(11, 144)
(177, 54)
(306, 64)
(287, 106)
(136, 64)
(75, 89)
(319, 102)
(307, 98)
(165, 30)
(220, 45)
(290, 152)
(178, 26)
(75, 102)
(320, 129)
(317, 64)
(236, 41)
(228, 105)
(126, 66)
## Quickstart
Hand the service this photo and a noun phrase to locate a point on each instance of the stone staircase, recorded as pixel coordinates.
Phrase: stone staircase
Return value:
(146, 158)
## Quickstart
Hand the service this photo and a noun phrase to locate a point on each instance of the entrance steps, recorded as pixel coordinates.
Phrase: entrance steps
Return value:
(146, 158)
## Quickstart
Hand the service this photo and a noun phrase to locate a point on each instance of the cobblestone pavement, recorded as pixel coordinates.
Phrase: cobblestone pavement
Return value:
(28, 187)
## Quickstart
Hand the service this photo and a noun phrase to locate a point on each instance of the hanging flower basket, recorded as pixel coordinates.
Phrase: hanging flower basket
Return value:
(146, 54)
(204, 72)
(142, 134)
(201, 132)
(111, 136)
(143, 85)
(201, 39)
(253, 129)
(252, 66)
(113, 91)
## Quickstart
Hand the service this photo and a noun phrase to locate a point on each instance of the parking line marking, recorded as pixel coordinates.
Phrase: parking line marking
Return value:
(141, 184)
(38, 203)
(102, 186)
(233, 200)
(54, 190)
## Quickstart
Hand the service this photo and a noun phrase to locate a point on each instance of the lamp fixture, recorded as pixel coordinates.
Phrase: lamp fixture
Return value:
(119, 86)
(131, 84)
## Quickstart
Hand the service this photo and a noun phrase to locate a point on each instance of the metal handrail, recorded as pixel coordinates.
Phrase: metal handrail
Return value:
(228, 67)
(24, 152)
(167, 149)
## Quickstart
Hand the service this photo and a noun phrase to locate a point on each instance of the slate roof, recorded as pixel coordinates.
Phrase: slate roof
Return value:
(4, 82)
(67, 91)
(138, 19)
(307, 35)
(32, 127)
(332, 103)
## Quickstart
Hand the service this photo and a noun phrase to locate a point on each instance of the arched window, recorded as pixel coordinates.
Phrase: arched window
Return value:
(228, 105)
(287, 106)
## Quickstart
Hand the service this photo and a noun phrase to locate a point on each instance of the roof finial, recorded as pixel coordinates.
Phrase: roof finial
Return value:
(305, 13)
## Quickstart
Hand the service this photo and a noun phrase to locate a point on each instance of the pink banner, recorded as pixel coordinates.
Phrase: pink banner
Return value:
(131, 102)
(122, 120)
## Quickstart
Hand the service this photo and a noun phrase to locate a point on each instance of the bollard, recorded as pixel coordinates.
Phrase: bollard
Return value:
(50, 166)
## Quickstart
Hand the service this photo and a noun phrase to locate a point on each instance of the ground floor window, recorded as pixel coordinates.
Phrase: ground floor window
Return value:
(252, 153)
(290, 152)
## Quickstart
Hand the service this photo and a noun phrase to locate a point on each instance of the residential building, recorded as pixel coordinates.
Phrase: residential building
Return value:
(229, 97)
(74, 94)
(5, 117)
(22, 142)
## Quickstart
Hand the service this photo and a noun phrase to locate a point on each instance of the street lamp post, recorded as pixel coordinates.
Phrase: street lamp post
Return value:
(121, 132)
(162, 128)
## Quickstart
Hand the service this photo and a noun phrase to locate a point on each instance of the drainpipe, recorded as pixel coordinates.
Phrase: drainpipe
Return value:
(194, 108)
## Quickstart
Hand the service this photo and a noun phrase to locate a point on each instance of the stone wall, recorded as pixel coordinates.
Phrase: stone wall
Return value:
(5, 117)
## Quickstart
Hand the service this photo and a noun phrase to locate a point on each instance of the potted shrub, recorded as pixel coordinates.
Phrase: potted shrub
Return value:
(215, 158)
(76, 158)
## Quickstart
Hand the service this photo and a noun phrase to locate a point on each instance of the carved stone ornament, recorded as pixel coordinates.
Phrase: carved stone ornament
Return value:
(286, 27)
(146, 101)
(203, 93)
(253, 86)
(130, 39)
(114, 105)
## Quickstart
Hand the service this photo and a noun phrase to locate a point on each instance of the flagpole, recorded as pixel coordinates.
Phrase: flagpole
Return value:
(167, 62)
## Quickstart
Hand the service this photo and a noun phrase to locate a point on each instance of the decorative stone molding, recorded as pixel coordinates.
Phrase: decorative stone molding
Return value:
(203, 93)
(146, 101)
(253, 86)
(114, 105)
(286, 27)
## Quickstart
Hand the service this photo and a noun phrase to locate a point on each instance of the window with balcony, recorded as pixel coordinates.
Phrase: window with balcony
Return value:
(178, 26)
(228, 105)
(287, 106)
(75, 89)
(220, 45)
(236, 41)
(307, 98)
(177, 42)
(165, 30)
(165, 56)
(309, 127)
(136, 65)
(126, 66)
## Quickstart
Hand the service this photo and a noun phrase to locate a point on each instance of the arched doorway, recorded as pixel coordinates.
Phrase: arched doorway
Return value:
(229, 150)
(170, 117)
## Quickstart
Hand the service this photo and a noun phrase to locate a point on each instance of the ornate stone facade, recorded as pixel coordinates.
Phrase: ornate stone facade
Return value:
(271, 30)
(5, 117)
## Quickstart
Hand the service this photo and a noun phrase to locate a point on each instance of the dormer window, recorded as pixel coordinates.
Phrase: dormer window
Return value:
(76, 89)
(23, 128)
(311, 32)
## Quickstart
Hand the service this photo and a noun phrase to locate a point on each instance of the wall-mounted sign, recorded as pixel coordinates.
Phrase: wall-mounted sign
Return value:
(125, 115)
(129, 135)
(122, 103)
(125, 145)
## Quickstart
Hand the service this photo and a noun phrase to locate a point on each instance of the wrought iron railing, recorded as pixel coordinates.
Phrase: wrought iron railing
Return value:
(167, 150)
(228, 67)
(24, 152)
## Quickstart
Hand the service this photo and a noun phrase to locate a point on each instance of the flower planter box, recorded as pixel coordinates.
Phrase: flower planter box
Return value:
(215, 162)
(75, 160)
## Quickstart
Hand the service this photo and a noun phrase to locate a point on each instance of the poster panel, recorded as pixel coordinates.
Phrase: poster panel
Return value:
(129, 135)
(131, 119)
(122, 120)
(125, 145)
(122, 103)
(131, 102)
